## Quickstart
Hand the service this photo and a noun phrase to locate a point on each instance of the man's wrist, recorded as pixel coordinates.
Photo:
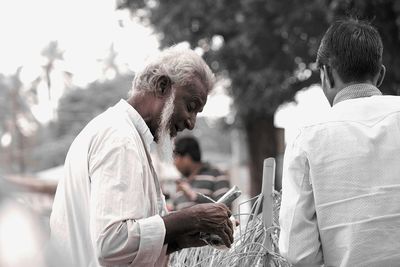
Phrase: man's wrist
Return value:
(178, 223)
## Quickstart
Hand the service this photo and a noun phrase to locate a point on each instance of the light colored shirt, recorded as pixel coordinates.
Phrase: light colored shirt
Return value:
(341, 185)
(107, 206)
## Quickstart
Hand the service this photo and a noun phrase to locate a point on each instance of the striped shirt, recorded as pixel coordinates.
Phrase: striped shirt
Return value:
(208, 181)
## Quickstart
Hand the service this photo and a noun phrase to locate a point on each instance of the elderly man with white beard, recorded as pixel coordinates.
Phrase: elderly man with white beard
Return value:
(109, 208)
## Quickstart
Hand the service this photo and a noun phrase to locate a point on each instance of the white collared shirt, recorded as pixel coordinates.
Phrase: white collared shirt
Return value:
(105, 210)
(341, 186)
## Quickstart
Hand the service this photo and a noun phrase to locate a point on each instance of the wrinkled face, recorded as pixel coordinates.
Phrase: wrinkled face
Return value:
(179, 112)
(189, 100)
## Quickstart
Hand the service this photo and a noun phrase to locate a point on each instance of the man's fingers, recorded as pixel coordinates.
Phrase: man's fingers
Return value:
(230, 223)
(225, 238)
(230, 230)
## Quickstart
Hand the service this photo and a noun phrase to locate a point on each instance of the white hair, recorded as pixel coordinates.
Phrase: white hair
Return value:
(180, 64)
(165, 144)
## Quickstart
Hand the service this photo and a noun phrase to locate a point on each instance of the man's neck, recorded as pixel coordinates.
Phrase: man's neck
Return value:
(340, 85)
(357, 90)
(140, 102)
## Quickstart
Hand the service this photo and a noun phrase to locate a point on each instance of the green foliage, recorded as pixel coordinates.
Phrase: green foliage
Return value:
(263, 47)
(17, 120)
(266, 48)
(76, 108)
(79, 106)
(267, 45)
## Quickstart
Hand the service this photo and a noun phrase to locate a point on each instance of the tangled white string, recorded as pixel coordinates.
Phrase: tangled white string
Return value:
(248, 248)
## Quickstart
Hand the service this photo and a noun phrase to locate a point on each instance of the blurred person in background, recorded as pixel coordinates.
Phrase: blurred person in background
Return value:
(198, 176)
(109, 209)
(341, 182)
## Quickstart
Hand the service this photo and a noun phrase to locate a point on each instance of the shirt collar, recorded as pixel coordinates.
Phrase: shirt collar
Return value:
(138, 122)
(356, 91)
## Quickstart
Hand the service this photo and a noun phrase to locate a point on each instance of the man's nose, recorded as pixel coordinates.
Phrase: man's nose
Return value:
(190, 122)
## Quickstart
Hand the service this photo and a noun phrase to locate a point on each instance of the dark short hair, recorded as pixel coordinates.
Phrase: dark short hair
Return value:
(188, 146)
(353, 48)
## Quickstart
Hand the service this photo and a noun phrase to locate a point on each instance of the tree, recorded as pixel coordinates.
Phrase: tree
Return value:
(76, 108)
(52, 53)
(263, 47)
(16, 121)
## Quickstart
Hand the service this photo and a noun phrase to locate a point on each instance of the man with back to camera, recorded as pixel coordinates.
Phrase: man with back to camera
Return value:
(199, 177)
(341, 178)
(109, 209)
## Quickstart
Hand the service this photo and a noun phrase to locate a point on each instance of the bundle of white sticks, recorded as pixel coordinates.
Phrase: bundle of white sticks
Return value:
(255, 241)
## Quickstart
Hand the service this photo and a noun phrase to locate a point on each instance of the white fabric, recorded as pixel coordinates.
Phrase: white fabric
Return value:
(341, 187)
(105, 209)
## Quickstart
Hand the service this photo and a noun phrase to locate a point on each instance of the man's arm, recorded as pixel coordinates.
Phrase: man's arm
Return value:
(122, 230)
(299, 237)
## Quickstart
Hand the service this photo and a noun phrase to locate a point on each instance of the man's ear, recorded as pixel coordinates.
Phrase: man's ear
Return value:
(329, 76)
(381, 75)
(163, 85)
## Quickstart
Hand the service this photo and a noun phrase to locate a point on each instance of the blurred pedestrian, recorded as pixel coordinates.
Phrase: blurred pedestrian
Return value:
(341, 182)
(198, 176)
(109, 209)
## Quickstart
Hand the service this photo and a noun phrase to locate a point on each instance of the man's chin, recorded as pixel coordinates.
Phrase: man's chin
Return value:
(165, 148)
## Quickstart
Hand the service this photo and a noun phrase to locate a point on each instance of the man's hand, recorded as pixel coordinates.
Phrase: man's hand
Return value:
(212, 218)
(185, 241)
(190, 241)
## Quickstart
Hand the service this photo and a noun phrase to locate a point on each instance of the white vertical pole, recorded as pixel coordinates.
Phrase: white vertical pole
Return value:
(267, 189)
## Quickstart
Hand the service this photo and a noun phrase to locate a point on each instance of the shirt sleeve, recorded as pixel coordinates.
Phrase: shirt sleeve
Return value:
(121, 231)
(299, 237)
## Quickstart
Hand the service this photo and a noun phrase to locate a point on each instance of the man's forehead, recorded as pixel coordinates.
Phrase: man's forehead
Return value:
(202, 94)
(197, 89)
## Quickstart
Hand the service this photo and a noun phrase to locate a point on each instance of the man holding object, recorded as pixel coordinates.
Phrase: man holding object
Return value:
(109, 208)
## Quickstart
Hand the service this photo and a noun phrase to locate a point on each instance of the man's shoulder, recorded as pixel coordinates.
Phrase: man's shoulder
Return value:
(208, 169)
(359, 113)
(363, 110)
(111, 126)
(366, 110)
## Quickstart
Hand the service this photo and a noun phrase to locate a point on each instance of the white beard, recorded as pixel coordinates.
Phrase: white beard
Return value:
(165, 144)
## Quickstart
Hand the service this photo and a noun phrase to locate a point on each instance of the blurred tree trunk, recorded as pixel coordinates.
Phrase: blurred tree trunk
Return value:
(262, 143)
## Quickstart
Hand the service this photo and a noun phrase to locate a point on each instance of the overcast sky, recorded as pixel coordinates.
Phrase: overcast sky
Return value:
(84, 30)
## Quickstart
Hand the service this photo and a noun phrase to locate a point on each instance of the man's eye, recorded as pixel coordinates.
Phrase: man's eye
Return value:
(191, 106)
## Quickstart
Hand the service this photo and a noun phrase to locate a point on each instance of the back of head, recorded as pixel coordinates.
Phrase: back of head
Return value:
(188, 146)
(353, 48)
(180, 65)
